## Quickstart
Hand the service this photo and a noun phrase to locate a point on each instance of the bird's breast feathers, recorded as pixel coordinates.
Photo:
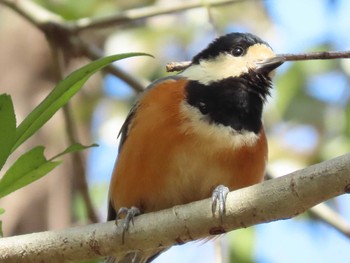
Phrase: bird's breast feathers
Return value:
(170, 146)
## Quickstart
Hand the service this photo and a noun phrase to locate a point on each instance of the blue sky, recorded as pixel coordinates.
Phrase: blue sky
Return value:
(310, 23)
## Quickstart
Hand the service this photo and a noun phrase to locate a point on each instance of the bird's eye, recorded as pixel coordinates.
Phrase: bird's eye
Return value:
(237, 51)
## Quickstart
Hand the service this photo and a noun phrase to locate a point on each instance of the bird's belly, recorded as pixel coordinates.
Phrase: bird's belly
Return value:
(194, 169)
(186, 166)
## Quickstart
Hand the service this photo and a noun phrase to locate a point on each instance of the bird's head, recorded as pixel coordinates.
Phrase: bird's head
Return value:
(229, 82)
(233, 55)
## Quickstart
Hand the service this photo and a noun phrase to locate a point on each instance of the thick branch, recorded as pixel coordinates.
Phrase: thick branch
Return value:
(179, 66)
(276, 199)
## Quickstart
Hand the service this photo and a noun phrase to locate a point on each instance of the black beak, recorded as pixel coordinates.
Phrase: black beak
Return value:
(267, 65)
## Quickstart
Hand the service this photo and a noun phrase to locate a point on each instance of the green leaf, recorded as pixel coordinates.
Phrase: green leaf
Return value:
(60, 95)
(2, 210)
(29, 167)
(75, 147)
(8, 127)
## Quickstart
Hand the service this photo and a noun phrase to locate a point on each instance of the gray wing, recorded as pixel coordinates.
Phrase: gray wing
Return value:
(124, 130)
(123, 133)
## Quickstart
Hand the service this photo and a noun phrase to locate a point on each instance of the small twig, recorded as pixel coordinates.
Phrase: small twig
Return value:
(179, 66)
(326, 214)
(33, 12)
(142, 13)
(71, 132)
(78, 166)
(94, 53)
(316, 55)
(48, 22)
(211, 19)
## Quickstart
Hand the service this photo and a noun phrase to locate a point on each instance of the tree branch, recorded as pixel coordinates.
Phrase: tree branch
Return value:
(316, 55)
(68, 30)
(94, 53)
(34, 13)
(143, 13)
(78, 168)
(276, 199)
(179, 66)
(326, 214)
(53, 25)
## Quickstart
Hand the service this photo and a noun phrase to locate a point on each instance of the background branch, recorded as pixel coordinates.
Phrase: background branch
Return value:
(326, 214)
(48, 21)
(55, 26)
(276, 199)
(78, 167)
(34, 13)
(142, 13)
(94, 53)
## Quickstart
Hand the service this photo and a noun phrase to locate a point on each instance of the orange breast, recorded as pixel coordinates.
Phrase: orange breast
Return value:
(165, 161)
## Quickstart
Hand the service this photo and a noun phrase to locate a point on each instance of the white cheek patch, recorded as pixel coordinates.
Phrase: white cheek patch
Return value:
(217, 135)
(225, 65)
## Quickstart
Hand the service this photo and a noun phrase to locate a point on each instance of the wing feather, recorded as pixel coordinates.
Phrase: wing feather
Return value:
(124, 130)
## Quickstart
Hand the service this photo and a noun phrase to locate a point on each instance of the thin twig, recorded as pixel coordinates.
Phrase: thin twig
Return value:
(326, 214)
(179, 66)
(94, 53)
(78, 167)
(47, 21)
(142, 13)
(316, 55)
(33, 12)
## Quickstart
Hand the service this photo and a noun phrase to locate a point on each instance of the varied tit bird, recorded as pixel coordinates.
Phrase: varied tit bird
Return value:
(195, 135)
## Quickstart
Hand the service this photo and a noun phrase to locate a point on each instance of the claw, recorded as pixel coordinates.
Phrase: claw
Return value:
(129, 214)
(219, 195)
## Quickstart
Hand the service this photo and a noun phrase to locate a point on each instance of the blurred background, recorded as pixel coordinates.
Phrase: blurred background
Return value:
(307, 117)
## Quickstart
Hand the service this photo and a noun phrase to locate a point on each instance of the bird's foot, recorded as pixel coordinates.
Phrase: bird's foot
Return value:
(219, 198)
(128, 214)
